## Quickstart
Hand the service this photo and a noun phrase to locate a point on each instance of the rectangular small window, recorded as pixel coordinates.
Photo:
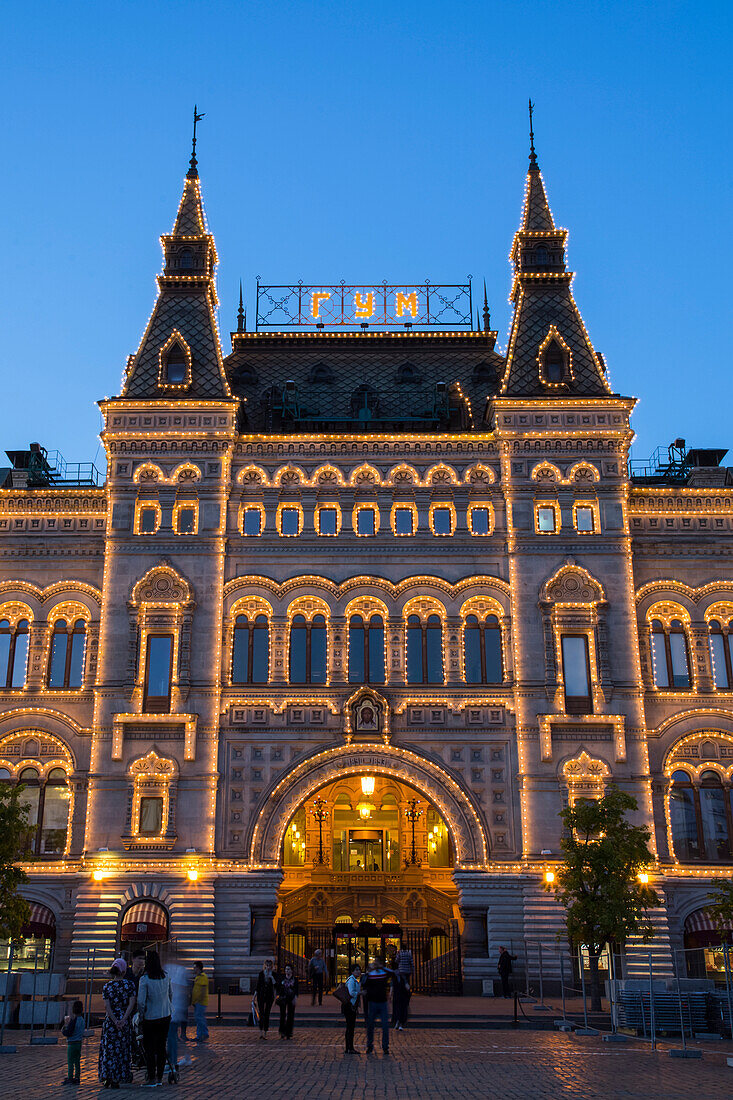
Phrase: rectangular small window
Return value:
(327, 521)
(251, 521)
(576, 674)
(584, 518)
(148, 521)
(365, 521)
(158, 673)
(289, 521)
(151, 816)
(479, 521)
(186, 521)
(403, 521)
(442, 521)
(546, 518)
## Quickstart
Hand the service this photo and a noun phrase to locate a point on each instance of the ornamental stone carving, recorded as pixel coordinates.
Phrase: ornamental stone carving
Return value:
(454, 802)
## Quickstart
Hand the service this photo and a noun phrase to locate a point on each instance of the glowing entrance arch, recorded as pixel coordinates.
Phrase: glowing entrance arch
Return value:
(454, 802)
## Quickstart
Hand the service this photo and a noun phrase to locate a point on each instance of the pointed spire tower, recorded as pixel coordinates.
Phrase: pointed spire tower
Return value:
(549, 353)
(180, 352)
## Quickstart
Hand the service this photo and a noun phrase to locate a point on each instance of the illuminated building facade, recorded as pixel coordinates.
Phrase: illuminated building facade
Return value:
(354, 615)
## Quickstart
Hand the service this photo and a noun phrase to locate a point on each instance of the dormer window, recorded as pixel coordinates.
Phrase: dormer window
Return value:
(554, 360)
(407, 374)
(176, 367)
(175, 362)
(321, 374)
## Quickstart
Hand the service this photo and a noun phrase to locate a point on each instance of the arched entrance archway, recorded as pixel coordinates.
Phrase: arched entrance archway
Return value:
(432, 780)
(367, 838)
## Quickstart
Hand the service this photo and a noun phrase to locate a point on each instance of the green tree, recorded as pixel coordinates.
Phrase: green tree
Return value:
(721, 907)
(15, 834)
(598, 883)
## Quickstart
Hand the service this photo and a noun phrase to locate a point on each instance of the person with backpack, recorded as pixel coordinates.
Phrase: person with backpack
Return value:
(73, 1029)
(376, 988)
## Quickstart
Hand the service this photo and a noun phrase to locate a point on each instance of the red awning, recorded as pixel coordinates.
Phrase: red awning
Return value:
(701, 921)
(42, 922)
(145, 920)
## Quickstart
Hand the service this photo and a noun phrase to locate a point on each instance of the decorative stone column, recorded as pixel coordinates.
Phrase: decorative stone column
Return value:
(702, 665)
(338, 671)
(261, 891)
(279, 629)
(474, 892)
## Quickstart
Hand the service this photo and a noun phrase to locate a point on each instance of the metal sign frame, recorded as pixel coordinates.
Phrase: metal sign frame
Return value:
(355, 306)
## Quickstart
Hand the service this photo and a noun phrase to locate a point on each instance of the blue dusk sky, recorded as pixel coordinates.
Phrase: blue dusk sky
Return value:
(365, 142)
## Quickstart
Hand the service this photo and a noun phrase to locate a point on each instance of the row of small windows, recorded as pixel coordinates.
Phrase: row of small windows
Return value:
(185, 519)
(328, 521)
(547, 519)
(308, 649)
(66, 662)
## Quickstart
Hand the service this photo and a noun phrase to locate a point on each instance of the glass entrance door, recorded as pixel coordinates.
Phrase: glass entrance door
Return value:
(363, 947)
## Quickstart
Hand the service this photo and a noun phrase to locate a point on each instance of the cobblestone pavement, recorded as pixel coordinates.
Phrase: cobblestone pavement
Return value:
(423, 1065)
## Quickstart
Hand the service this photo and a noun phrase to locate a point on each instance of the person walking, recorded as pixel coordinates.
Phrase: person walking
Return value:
(350, 1008)
(376, 988)
(265, 994)
(73, 1029)
(287, 998)
(504, 966)
(200, 1000)
(180, 997)
(317, 975)
(154, 1006)
(118, 994)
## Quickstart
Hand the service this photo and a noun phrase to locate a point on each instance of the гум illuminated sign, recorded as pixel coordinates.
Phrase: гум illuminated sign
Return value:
(424, 305)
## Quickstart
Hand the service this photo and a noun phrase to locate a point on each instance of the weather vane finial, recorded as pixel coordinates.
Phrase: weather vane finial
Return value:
(193, 171)
(532, 154)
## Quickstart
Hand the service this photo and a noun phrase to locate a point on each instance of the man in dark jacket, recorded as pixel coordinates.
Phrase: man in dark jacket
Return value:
(376, 989)
(504, 966)
(317, 974)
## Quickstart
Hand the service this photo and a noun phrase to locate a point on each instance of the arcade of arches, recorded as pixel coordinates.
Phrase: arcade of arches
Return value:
(366, 859)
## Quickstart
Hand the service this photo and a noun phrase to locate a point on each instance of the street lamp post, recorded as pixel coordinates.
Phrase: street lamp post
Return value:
(412, 814)
(320, 814)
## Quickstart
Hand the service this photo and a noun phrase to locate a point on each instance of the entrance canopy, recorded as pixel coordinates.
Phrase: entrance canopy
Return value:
(145, 920)
(42, 922)
(702, 921)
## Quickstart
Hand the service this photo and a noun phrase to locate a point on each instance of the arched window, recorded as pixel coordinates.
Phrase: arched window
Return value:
(424, 650)
(13, 653)
(702, 825)
(66, 663)
(720, 654)
(541, 256)
(47, 810)
(251, 650)
(294, 841)
(366, 650)
(308, 650)
(482, 650)
(186, 259)
(670, 658)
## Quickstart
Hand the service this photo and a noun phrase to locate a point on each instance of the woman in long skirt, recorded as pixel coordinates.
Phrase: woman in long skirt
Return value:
(115, 1044)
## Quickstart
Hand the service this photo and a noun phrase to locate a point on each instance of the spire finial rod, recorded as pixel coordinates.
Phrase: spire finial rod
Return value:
(193, 170)
(532, 154)
(487, 315)
(240, 312)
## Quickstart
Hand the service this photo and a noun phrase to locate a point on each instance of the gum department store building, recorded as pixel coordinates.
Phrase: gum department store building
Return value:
(354, 615)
